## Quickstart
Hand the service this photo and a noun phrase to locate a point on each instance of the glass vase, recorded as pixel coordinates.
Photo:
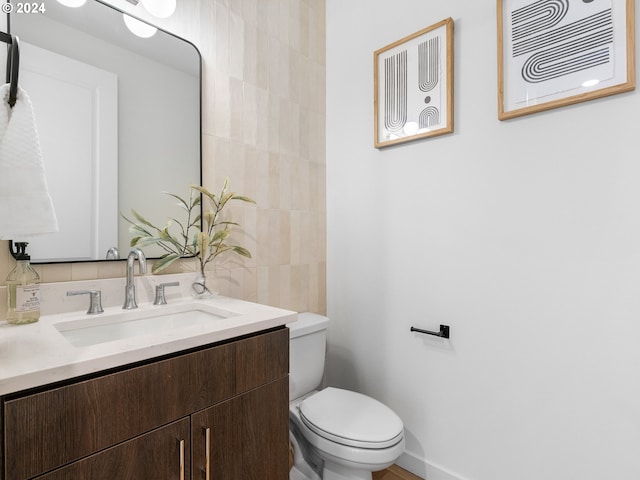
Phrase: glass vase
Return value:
(199, 286)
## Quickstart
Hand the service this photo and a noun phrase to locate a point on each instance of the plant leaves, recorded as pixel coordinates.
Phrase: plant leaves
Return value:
(139, 230)
(143, 220)
(146, 241)
(220, 235)
(203, 243)
(224, 199)
(206, 192)
(164, 262)
(244, 199)
(242, 251)
(195, 200)
(211, 231)
(183, 203)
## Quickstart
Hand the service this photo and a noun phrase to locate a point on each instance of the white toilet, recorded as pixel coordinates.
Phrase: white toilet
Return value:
(343, 435)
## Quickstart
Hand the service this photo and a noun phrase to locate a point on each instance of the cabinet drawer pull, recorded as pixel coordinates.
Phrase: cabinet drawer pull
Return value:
(181, 459)
(207, 453)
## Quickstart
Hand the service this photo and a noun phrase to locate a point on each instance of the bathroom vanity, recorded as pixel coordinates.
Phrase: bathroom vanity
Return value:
(218, 410)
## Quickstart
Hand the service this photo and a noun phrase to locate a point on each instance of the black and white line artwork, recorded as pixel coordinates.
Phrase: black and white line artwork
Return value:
(408, 75)
(428, 76)
(554, 53)
(558, 46)
(429, 64)
(395, 99)
(412, 86)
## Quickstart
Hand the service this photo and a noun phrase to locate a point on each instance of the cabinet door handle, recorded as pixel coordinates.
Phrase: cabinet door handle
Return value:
(181, 459)
(207, 453)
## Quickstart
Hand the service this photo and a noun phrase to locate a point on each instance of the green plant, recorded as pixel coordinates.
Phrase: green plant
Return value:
(201, 236)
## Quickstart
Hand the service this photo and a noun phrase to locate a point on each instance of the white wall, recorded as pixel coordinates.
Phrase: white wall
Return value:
(523, 236)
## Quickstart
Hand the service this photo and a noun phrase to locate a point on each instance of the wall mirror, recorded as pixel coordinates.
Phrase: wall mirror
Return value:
(119, 121)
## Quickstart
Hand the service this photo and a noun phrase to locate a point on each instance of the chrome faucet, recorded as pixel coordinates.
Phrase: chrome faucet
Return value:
(130, 289)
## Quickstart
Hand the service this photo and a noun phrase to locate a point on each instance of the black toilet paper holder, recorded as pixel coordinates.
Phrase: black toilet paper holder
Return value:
(444, 331)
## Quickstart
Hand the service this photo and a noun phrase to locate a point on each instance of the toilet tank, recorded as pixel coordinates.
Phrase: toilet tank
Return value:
(307, 348)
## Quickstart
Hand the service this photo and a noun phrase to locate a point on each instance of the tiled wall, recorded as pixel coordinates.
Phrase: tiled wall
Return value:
(264, 128)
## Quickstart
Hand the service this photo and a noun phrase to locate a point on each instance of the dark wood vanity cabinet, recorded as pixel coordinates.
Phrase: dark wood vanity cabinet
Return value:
(221, 411)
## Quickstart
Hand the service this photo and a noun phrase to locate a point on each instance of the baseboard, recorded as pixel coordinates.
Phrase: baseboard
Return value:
(425, 469)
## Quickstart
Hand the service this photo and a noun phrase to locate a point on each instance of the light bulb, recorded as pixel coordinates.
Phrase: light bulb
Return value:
(141, 29)
(160, 8)
(72, 3)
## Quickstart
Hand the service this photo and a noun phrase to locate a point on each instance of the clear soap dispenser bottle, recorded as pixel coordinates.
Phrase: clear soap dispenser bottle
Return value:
(23, 289)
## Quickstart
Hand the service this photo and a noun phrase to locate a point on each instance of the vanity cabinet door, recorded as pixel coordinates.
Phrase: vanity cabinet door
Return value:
(162, 454)
(244, 438)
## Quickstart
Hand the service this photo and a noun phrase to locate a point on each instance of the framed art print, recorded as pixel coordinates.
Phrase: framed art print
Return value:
(413, 86)
(553, 53)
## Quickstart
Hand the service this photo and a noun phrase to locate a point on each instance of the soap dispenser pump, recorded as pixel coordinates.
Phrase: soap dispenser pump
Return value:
(23, 289)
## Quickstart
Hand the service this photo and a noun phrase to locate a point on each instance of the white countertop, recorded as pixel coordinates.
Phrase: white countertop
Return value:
(38, 354)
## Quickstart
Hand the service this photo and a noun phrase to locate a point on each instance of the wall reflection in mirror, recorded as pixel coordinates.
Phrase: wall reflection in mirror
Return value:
(118, 118)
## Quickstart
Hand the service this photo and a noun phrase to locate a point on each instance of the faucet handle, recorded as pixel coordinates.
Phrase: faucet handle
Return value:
(95, 300)
(160, 300)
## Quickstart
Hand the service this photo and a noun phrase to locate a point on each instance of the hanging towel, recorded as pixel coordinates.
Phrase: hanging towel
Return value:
(26, 208)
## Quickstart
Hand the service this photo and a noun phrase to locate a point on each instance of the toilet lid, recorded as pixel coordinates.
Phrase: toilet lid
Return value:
(351, 418)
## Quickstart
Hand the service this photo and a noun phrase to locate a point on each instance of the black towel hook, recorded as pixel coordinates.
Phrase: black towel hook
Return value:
(14, 68)
(13, 65)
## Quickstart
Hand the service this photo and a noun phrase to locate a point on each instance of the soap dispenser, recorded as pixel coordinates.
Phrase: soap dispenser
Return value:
(23, 289)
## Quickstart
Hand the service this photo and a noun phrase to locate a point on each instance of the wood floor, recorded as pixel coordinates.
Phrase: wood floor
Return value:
(394, 472)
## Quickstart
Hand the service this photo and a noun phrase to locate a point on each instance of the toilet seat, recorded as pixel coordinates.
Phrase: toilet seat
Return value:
(351, 419)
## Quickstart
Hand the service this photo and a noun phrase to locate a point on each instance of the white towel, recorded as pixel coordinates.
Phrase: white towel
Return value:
(26, 208)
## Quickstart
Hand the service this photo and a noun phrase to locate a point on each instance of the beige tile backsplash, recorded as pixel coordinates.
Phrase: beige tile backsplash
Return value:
(264, 127)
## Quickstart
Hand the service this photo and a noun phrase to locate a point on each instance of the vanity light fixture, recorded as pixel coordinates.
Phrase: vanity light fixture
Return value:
(72, 3)
(141, 29)
(157, 8)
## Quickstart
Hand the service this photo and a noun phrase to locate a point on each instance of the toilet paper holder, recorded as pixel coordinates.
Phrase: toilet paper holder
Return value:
(444, 331)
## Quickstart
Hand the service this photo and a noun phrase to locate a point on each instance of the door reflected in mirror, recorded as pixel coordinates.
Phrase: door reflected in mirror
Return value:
(119, 122)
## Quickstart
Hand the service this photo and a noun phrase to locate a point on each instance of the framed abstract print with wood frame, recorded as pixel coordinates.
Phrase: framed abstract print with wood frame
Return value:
(553, 53)
(413, 86)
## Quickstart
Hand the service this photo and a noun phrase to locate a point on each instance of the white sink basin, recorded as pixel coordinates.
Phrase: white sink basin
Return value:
(133, 323)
